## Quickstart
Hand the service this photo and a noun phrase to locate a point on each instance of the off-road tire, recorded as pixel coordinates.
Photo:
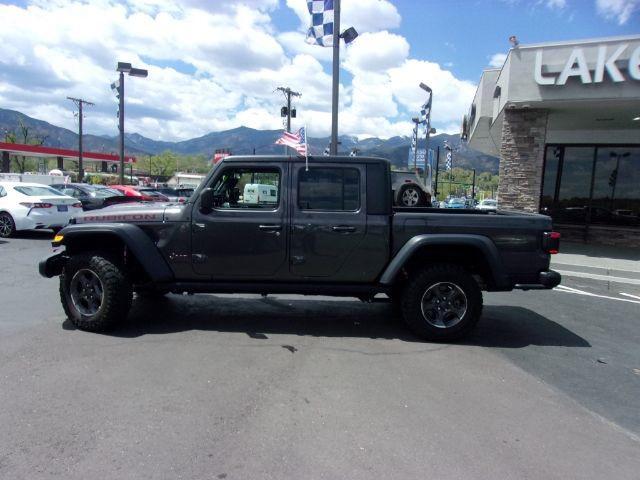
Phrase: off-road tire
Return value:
(117, 291)
(416, 290)
(9, 226)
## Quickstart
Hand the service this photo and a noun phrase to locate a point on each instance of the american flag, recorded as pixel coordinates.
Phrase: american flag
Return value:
(297, 141)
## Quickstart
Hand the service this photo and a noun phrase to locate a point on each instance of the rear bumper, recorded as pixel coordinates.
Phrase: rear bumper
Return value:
(546, 280)
(52, 265)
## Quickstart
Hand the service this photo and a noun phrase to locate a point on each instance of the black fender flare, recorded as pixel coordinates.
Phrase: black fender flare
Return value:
(482, 243)
(139, 244)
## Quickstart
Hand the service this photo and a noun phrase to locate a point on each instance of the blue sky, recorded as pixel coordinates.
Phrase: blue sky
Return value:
(215, 65)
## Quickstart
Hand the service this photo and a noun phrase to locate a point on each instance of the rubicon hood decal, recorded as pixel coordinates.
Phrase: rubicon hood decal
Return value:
(124, 213)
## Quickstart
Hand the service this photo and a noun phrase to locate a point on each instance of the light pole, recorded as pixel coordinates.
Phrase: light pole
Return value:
(349, 35)
(132, 72)
(449, 164)
(417, 122)
(427, 120)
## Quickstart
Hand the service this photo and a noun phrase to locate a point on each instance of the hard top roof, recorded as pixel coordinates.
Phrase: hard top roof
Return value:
(319, 159)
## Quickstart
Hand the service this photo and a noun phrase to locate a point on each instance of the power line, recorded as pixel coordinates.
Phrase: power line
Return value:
(79, 102)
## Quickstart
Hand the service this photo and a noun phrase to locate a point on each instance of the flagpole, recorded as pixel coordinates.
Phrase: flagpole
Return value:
(336, 77)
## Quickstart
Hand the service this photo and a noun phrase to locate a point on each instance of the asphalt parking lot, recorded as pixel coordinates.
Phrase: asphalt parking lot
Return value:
(219, 386)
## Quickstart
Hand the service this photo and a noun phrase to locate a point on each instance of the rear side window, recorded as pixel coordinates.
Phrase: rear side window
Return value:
(329, 189)
(37, 191)
(3, 192)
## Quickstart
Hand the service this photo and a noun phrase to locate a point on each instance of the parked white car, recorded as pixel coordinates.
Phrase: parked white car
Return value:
(488, 204)
(33, 206)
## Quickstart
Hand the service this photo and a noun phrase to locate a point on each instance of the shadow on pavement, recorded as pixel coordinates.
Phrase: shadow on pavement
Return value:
(518, 327)
(500, 326)
(33, 235)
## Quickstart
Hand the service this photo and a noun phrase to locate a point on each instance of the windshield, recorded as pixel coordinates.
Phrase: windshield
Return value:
(489, 203)
(456, 201)
(38, 191)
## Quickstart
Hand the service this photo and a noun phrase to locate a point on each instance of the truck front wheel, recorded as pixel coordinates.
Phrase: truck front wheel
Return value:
(442, 303)
(95, 292)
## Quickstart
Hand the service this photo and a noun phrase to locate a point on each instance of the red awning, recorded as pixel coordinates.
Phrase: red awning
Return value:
(41, 151)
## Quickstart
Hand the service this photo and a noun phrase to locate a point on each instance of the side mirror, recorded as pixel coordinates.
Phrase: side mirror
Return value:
(206, 200)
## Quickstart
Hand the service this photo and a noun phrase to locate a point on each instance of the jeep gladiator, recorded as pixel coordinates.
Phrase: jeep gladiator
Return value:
(327, 227)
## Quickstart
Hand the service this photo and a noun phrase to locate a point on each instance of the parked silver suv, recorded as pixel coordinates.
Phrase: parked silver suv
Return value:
(409, 190)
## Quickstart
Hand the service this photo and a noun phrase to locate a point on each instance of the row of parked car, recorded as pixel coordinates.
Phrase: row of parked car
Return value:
(34, 206)
(488, 204)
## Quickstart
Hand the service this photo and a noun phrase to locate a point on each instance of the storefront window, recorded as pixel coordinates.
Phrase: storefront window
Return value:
(568, 176)
(616, 187)
(551, 162)
(575, 184)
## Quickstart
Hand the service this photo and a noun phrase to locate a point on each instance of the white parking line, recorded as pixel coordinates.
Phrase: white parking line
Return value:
(562, 288)
(594, 276)
(629, 295)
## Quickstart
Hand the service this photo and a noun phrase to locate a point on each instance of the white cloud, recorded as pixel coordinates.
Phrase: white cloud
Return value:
(451, 97)
(375, 52)
(556, 4)
(618, 10)
(363, 15)
(213, 68)
(497, 60)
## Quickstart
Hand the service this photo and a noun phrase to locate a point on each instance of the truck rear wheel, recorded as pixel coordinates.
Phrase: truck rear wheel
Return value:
(95, 292)
(442, 303)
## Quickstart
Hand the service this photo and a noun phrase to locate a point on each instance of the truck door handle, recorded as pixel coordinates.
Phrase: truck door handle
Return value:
(270, 228)
(343, 229)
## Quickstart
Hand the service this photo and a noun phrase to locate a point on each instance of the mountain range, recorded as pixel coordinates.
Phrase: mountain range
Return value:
(242, 140)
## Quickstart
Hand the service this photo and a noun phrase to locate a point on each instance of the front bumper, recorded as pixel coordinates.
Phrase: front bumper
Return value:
(546, 281)
(52, 265)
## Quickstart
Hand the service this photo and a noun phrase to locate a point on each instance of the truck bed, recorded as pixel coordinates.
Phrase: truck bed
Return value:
(517, 235)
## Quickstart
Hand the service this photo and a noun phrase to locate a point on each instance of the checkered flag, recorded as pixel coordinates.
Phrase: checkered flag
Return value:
(424, 111)
(321, 30)
(449, 160)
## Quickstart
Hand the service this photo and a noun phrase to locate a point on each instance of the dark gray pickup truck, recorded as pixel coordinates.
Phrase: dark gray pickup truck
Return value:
(273, 225)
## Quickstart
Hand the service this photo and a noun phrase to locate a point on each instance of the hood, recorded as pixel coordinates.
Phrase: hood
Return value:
(137, 212)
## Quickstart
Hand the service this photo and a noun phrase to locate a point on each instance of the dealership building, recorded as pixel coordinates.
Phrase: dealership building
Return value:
(564, 118)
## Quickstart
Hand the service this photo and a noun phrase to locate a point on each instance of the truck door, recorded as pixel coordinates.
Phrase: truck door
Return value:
(243, 238)
(328, 221)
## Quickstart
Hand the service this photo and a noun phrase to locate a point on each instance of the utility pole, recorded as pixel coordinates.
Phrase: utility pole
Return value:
(288, 93)
(79, 102)
(286, 111)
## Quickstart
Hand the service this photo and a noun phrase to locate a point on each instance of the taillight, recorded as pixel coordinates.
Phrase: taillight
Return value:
(551, 242)
(181, 199)
(36, 205)
(77, 205)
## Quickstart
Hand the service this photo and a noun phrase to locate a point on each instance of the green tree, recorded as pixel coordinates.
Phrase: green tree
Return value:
(25, 136)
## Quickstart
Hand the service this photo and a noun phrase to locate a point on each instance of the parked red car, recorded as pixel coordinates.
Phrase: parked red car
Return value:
(145, 196)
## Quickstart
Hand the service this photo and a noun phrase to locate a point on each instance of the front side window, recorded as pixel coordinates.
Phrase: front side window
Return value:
(250, 188)
(3, 192)
(329, 188)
